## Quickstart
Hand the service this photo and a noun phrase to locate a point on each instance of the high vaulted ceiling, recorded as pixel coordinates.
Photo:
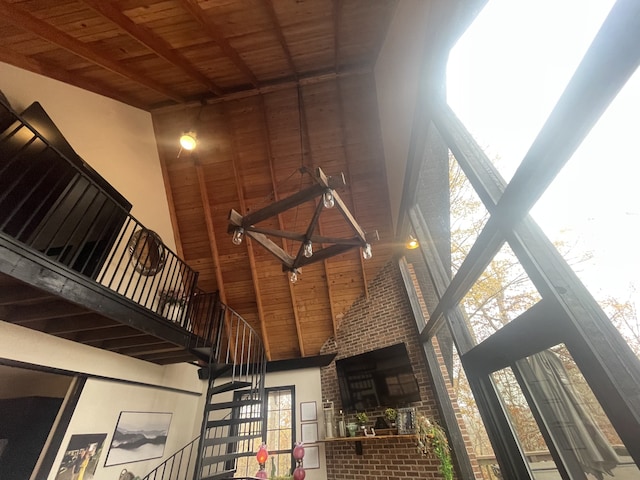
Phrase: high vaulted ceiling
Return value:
(270, 86)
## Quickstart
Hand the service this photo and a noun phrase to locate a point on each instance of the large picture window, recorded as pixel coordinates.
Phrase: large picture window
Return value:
(542, 316)
(277, 431)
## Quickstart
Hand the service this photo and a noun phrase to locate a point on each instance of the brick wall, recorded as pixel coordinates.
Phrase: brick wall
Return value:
(382, 319)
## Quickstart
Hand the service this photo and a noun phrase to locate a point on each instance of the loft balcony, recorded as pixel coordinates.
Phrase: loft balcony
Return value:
(76, 264)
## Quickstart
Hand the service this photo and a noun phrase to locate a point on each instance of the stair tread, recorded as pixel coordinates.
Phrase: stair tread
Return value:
(226, 387)
(220, 475)
(222, 440)
(238, 403)
(224, 458)
(232, 421)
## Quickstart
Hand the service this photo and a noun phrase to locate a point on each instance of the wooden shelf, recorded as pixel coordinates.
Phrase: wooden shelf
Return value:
(363, 438)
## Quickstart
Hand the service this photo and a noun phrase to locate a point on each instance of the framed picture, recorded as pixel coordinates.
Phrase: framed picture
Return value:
(311, 458)
(309, 432)
(308, 412)
(138, 436)
(81, 457)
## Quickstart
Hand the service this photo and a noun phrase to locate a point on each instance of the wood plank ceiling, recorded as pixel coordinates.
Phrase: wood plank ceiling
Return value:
(270, 86)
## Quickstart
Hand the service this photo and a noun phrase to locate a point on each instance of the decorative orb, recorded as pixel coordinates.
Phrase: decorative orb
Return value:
(298, 451)
(299, 474)
(262, 474)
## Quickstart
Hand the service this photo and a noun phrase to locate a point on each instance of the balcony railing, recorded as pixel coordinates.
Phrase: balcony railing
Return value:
(55, 204)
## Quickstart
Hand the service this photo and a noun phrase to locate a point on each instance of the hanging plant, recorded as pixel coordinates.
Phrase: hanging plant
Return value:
(432, 439)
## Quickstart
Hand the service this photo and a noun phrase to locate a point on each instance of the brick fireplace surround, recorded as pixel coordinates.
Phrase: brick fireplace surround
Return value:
(381, 320)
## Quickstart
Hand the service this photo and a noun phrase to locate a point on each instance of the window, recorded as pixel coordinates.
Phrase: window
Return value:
(542, 318)
(276, 432)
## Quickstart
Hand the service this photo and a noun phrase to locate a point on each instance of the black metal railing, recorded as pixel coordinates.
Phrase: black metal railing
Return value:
(54, 203)
(181, 465)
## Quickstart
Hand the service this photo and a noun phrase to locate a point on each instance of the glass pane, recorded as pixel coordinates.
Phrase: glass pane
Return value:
(468, 214)
(575, 415)
(509, 68)
(502, 293)
(481, 453)
(592, 212)
(525, 426)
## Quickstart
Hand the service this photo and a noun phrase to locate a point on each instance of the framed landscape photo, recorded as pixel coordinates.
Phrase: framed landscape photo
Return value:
(138, 436)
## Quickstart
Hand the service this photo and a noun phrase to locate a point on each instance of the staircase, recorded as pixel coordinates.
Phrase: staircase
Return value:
(232, 418)
(75, 264)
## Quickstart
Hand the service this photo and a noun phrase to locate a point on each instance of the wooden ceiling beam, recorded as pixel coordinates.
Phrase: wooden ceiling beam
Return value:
(213, 31)
(344, 143)
(252, 261)
(213, 246)
(78, 323)
(34, 25)
(21, 294)
(266, 131)
(268, 4)
(211, 234)
(40, 311)
(47, 69)
(151, 41)
(325, 182)
(337, 21)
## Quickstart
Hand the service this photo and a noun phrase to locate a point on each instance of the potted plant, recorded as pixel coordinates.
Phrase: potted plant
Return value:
(433, 439)
(171, 304)
(390, 415)
(361, 418)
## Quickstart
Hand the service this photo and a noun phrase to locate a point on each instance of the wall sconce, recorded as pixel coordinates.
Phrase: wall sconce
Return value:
(412, 243)
(188, 141)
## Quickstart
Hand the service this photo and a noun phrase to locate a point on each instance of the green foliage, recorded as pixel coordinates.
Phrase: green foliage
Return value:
(362, 418)
(391, 414)
(433, 439)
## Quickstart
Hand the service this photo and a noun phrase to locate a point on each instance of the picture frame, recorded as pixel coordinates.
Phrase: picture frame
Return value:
(308, 411)
(311, 458)
(126, 444)
(81, 455)
(309, 432)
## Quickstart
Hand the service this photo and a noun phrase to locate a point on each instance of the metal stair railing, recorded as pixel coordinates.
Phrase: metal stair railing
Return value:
(178, 466)
(231, 429)
(53, 203)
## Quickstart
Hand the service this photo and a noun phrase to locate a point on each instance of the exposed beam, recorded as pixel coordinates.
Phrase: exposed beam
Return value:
(324, 181)
(34, 25)
(211, 234)
(344, 143)
(98, 335)
(15, 294)
(267, 138)
(47, 69)
(77, 323)
(252, 261)
(313, 78)
(26, 313)
(337, 21)
(150, 40)
(128, 342)
(278, 31)
(213, 31)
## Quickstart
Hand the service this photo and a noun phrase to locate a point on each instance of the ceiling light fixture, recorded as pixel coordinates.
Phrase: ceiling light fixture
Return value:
(412, 243)
(188, 141)
(240, 225)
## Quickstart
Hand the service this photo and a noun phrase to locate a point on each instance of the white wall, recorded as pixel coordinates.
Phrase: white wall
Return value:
(115, 139)
(102, 400)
